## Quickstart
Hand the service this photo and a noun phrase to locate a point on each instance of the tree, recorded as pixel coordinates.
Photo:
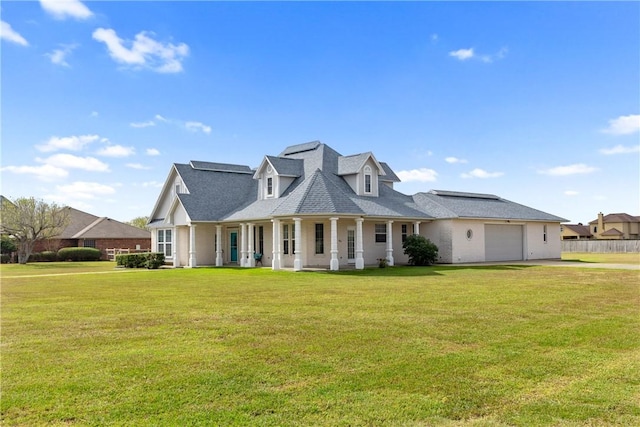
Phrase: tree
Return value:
(29, 220)
(140, 222)
(421, 250)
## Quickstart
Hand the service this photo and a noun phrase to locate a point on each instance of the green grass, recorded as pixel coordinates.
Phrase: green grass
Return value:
(39, 268)
(481, 346)
(613, 258)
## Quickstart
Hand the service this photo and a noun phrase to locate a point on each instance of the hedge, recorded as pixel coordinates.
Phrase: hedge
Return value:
(151, 260)
(46, 256)
(79, 254)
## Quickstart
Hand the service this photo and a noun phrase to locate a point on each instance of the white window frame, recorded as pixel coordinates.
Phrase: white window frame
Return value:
(368, 180)
(380, 233)
(162, 245)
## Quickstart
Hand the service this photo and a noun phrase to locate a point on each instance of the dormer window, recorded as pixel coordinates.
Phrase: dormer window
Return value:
(270, 186)
(367, 180)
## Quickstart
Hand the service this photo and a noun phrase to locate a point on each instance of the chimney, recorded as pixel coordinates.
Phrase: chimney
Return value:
(600, 223)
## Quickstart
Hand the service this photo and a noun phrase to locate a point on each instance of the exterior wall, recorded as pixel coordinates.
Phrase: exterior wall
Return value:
(465, 249)
(535, 245)
(182, 245)
(205, 244)
(179, 216)
(102, 244)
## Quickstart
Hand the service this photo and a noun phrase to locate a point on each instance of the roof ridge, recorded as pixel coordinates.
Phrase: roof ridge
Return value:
(88, 227)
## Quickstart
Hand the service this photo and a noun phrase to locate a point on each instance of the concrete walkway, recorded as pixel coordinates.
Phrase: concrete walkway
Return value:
(551, 263)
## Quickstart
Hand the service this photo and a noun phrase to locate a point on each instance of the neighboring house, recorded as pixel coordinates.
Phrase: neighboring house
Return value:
(575, 232)
(86, 230)
(615, 226)
(312, 207)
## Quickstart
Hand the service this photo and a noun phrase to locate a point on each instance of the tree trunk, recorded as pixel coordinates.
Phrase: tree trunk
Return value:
(24, 251)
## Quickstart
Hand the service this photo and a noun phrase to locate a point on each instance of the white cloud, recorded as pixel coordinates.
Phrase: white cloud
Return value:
(481, 173)
(144, 51)
(85, 190)
(621, 149)
(465, 54)
(44, 172)
(462, 54)
(116, 151)
(137, 166)
(196, 126)
(624, 125)
(434, 38)
(94, 114)
(571, 193)
(59, 56)
(61, 9)
(453, 160)
(69, 161)
(578, 168)
(9, 34)
(143, 124)
(73, 143)
(153, 152)
(160, 118)
(420, 175)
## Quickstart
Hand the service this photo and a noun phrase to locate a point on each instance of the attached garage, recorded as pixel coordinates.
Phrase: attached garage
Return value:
(503, 242)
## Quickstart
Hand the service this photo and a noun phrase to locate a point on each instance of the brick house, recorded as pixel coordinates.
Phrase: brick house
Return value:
(87, 230)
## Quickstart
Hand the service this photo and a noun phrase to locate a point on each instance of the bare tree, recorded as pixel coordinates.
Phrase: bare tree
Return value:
(29, 220)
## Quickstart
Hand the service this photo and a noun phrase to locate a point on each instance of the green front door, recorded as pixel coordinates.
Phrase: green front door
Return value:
(233, 241)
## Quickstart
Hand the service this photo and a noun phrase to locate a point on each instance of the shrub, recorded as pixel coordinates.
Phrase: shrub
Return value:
(7, 245)
(141, 260)
(79, 254)
(5, 258)
(421, 250)
(48, 256)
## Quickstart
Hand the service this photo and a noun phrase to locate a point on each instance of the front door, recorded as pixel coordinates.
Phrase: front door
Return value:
(233, 246)
(351, 245)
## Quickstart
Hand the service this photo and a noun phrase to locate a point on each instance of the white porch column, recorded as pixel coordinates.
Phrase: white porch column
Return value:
(416, 227)
(243, 245)
(275, 263)
(218, 246)
(390, 243)
(359, 246)
(334, 264)
(192, 245)
(176, 261)
(251, 261)
(297, 262)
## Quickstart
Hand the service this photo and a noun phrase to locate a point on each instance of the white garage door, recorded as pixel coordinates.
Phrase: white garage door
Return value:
(503, 242)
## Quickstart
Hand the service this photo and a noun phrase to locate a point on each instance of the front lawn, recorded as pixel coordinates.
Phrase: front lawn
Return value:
(447, 345)
(612, 258)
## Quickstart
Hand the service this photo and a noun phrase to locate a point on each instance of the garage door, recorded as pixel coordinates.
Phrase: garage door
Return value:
(503, 242)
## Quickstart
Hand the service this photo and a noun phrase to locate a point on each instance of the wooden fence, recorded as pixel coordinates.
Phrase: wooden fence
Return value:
(601, 246)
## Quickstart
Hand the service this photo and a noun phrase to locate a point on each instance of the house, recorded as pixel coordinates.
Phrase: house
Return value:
(615, 226)
(87, 230)
(310, 206)
(575, 232)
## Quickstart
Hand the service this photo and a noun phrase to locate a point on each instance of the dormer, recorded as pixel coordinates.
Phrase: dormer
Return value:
(362, 172)
(275, 175)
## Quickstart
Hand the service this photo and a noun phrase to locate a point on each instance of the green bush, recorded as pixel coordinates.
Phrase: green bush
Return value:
(46, 256)
(79, 254)
(141, 260)
(5, 258)
(7, 245)
(421, 250)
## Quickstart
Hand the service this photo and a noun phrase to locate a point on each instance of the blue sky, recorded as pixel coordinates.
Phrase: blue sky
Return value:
(537, 102)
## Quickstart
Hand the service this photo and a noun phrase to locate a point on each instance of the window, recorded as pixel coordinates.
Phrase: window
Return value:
(270, 186)
(544, 233)
(367, 180)
(285, 239)
(404, 232)
(165, 240)
(261, 239)
(381, 233)
(89, 243)
(469, 234)
(319, 238)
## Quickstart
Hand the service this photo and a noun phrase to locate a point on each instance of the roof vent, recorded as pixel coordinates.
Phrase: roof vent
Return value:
(464, 195)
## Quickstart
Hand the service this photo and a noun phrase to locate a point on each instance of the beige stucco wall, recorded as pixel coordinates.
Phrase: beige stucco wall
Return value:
(536, 247)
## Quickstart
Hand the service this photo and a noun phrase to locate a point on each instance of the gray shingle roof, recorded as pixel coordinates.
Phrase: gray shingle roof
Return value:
(449, 204)
(213, 194)
(390, 175)
(220, 167)
(287, 167)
